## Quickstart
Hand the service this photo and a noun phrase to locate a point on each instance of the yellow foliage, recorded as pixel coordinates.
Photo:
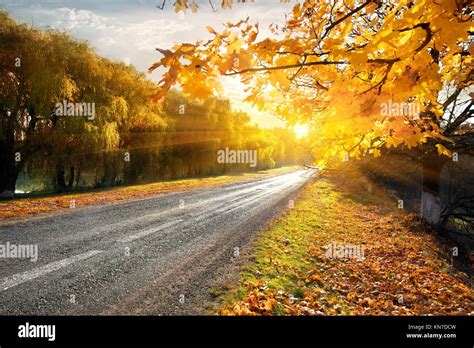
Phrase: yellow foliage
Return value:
(336, 67)
(443, 150)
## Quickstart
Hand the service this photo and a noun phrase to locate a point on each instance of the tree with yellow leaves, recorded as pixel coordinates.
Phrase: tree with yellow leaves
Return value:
(355, 70)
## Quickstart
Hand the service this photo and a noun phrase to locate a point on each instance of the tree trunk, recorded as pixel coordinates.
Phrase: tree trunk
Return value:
(78, 176)
(8, 170)
(60, 182)
(71, 179)
(430, 210)
(110, 171)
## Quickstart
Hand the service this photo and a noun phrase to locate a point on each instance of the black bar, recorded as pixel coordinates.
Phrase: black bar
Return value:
(211, 330)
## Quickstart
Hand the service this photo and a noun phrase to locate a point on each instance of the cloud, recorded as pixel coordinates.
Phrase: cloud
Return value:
(149, 34)
(70, 18)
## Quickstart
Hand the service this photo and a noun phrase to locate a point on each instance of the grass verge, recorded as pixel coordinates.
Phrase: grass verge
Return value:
(403, 270)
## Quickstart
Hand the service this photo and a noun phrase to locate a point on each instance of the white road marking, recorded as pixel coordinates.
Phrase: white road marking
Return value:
(20, 278)
(146, 232)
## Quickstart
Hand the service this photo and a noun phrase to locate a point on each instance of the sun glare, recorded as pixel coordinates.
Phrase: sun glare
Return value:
(301, 130)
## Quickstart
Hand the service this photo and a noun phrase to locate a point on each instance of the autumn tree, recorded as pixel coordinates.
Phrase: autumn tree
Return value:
(338, 64)
(25, 65)
(42, 68)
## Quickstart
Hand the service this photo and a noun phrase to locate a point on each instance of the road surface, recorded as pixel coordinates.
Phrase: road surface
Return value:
(155, 256)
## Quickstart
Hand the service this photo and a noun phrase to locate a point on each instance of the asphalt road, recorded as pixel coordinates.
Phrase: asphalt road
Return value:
(155, 256)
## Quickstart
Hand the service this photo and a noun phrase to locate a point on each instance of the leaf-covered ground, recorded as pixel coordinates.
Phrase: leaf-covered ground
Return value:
(404, 270)
(30, 206)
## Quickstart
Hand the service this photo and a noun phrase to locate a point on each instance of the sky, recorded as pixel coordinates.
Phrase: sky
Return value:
(131, 30)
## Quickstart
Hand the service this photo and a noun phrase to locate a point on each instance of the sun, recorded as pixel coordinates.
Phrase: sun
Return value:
(301, 130)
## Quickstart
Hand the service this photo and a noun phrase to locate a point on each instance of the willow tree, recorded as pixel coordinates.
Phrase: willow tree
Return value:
(28, 80)
(337, 64)
(40, 68)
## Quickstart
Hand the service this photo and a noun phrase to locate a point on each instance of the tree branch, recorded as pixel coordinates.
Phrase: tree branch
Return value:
(343, 18)
(283, 67)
